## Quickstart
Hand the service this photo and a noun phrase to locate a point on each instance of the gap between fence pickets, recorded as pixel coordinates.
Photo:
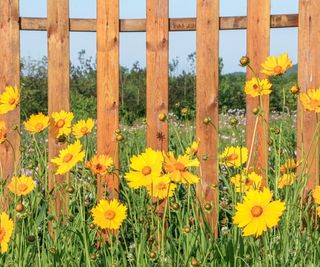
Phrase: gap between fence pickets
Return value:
(175, 24)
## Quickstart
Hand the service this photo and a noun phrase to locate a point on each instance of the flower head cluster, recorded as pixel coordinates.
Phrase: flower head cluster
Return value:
(21, 186)
(316, 197)
(36, 123)
(9, 99)
(100, 164)
(234, 156)
(310, 100)
(109, 214)
(160, 172)
(273, 66)
(288, 173)
(6, 229)
(246, 181)
(258, 212)
(69, 157)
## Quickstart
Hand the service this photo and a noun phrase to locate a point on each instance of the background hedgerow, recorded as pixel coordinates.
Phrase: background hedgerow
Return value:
(133, 93)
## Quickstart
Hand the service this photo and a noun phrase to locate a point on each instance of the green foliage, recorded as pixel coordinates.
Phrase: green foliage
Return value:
(182, 89)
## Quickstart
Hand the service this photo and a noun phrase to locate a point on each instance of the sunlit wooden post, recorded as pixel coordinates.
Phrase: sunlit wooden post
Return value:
(58, 91)
(258, 45)
(207, 82)
(108, 89)
(157, 27)
(9, 76)
(308, 77)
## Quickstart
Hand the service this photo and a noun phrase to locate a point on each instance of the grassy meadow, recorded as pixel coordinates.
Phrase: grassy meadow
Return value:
(180, 234)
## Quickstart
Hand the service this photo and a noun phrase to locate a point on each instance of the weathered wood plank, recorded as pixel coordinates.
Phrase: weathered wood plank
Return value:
(308, 77)
(108, 88)
(157, 72)
(58, 90)
(9, 76)
(258, 46)
(207, 84)
(175, 24)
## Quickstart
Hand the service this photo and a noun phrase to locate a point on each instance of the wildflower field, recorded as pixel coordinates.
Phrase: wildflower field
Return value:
(265, 218)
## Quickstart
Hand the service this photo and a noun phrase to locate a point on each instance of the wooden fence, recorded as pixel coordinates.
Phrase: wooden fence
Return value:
(157, 26)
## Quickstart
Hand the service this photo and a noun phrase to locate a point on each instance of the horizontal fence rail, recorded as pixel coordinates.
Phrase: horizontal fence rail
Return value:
(175, 24)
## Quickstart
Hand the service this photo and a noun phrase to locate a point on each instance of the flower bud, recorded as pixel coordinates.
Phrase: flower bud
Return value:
(244, 61)
(295, 89)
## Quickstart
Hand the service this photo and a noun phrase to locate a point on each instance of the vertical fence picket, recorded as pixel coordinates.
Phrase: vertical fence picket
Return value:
(308, 77)
(157, 72)
(108, 89)
(58, 90)
(207, 81)
(9, 76)
(258, 46)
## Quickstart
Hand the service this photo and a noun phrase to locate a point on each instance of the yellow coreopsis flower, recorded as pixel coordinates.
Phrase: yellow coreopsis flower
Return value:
(82, 128)
(6, 229)
(144, 168)
(161, 187)
(109, 214)
(9, 99)
(258, 212)
(243, 182)
(36, 123)
(69, 157)
(274, 66)
(256, 87)
(99, 164)
(234, 156)
(310, 100)
(3, 132)
(191, 151)
(316, 194)
(289, 166)
(61, 123)
(177, 169)
(21, 186)
(286, 179)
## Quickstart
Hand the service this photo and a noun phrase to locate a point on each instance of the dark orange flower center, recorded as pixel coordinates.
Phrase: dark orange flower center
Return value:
(146, 170)
(67, 158)
(109, 214)
(22, 187)
(278, 70)
(180, 167)
(84, 130)
(315, 103)
(255, 87)
(100, 168)
(232, 156)
(12, 101)
(39, 126)
(2, 234)
(161, 186)
(60, 123)
(256, 211)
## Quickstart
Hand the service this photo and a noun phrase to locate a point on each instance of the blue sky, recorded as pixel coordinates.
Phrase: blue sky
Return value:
(132, 45)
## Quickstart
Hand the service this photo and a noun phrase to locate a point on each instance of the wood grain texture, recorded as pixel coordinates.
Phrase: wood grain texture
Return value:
(207, 83)
(9, 76)
(108, 89)
(308, 77)
(58, 91)
(175, 24)
(157, 72)
(258, 46)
